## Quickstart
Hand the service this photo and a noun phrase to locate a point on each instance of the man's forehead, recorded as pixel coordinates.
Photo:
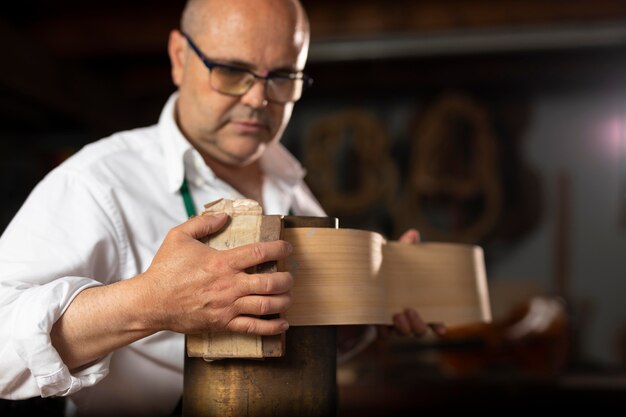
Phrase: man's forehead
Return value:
(267, 36)
(213, 11)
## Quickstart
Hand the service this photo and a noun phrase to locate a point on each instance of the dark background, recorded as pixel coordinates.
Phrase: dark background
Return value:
(73, 72)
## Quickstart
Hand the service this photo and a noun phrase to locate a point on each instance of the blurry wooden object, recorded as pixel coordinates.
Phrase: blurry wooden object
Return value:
(455, 191)
(355, 151)
(578, 309)
(562, 236)
(507, 292)
(533, 338)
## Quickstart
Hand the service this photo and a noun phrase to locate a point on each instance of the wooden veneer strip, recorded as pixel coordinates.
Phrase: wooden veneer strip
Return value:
(347, 276)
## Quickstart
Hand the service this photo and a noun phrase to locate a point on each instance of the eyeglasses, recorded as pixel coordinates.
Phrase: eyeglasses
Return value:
(280, 86)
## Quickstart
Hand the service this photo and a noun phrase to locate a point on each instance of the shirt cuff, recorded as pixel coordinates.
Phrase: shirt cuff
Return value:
(38, 309)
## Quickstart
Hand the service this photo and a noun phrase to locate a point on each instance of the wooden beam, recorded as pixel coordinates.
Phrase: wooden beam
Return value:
(370, 17)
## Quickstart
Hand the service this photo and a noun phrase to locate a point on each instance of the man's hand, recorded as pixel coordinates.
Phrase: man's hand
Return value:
(409, 322)
(192, 288)
(188, 288)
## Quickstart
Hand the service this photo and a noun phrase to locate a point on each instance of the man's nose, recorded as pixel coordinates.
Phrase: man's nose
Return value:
(255, 97)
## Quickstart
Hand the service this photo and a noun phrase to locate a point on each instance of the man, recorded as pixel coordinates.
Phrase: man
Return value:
(94, 299)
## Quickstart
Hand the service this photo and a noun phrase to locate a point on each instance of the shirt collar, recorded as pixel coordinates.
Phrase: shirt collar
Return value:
(180, 157)
(175, 146)
(278, 163)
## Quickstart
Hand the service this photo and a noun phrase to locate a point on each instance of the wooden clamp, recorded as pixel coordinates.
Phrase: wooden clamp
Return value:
(246, 225)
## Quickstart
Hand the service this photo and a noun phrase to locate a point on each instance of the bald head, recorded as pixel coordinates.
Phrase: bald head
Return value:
(198, 14)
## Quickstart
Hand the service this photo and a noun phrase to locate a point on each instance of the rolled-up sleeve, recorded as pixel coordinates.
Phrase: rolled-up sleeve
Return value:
(59, 244)
(31, 366)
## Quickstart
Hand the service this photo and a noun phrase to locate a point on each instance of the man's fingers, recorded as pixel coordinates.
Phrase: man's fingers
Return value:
(418, 327)
(439, 328)
(246, 256)
(264, 284)
(260, 305)
(409, 323)
(401, 324)
(254, 325)
(201, 226)
(410, 236)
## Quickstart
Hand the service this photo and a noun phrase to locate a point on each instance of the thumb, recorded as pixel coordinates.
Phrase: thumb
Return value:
(410, 236)
(201, 226)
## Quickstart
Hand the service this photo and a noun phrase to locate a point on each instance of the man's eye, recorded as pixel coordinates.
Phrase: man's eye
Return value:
(233, 70)
(284, 76)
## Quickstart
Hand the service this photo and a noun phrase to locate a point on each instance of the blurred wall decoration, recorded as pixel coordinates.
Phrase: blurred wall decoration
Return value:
(459, 182)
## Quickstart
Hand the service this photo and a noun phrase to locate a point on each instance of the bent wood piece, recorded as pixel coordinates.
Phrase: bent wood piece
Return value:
(347, 276)
(246, 225)
(301, 383)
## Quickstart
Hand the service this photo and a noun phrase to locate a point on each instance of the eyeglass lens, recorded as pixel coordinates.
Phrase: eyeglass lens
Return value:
(237, 82)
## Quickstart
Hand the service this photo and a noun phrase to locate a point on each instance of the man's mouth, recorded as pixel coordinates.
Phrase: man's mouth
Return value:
(249, 125)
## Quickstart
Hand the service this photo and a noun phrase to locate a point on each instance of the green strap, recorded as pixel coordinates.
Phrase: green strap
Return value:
(189, 206)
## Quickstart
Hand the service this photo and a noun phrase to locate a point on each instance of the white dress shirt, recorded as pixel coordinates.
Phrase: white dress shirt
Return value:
(96, 219)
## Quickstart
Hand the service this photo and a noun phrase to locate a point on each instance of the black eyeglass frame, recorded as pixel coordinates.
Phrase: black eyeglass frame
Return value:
(307, 81)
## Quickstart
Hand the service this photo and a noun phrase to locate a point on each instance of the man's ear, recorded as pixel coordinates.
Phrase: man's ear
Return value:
(177, 50)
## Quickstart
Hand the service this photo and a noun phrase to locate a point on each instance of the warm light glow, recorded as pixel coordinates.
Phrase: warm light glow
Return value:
(614, 136)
